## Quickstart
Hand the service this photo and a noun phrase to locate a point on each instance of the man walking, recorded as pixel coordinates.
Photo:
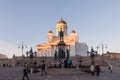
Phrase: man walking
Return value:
(25, 72)
(97, 69)
(92, 68)
(43, 66)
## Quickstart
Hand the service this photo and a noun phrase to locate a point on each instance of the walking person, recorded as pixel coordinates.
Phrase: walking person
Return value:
(110, 68)
(25, 72)
(63, 64)
(92, 69)
(43, 68)
(97, 69)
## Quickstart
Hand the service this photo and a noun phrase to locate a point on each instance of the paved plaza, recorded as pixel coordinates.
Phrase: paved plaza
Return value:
(15, 73)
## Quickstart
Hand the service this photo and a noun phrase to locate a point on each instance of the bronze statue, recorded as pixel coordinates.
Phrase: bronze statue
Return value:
(68, 54)
(61, 34)
(61, 54)
(55, 55)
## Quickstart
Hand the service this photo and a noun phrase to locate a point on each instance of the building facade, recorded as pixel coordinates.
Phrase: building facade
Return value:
(71, 41)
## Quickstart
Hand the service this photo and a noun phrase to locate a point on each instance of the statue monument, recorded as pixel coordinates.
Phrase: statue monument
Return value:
(61, 45)
(63, 54)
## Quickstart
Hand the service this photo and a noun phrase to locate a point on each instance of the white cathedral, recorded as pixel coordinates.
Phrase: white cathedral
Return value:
(71, 42)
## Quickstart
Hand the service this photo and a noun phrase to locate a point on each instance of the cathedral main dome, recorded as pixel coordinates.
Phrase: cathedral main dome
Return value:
(61, 21)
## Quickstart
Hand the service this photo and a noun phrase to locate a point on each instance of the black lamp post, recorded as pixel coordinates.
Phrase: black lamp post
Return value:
(35, 53)
(31, 53)
(22, 46)
(27, 53)
(103, 46)
(92, 55)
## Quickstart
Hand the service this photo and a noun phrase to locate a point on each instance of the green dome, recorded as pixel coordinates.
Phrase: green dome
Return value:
(50, 32)
(73, 31)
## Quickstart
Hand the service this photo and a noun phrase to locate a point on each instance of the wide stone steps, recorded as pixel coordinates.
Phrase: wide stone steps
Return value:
(63, 71)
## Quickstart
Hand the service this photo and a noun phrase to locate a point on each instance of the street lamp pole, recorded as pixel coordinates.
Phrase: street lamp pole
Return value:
(102, 46)
(97, 50)
(22, 46)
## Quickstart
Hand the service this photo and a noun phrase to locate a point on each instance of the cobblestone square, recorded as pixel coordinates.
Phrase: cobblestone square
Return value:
(15, 73)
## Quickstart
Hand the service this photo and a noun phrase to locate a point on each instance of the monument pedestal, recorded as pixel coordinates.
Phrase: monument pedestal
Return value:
(61, 49)
(61, 45)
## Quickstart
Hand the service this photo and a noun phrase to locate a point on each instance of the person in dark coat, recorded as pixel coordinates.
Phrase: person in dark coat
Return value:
(43, 68)
(97, 69)
(110, 68)
(25, 72)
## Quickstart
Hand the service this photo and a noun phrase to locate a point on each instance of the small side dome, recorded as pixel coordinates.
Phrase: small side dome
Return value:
(50, 32)
(73, 31)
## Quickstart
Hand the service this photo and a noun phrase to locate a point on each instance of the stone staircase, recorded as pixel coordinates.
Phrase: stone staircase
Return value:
(65, 71)
(113, 61)
(102, 61)
(98, 60)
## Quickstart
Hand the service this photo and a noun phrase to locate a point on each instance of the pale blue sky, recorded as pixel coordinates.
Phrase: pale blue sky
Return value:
(29, 21)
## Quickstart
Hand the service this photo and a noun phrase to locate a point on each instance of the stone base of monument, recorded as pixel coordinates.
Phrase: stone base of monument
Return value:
(65, 71)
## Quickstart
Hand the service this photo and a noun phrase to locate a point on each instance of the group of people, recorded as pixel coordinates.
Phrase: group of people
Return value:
(95, 69)
(26, 70)
(67, 63)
